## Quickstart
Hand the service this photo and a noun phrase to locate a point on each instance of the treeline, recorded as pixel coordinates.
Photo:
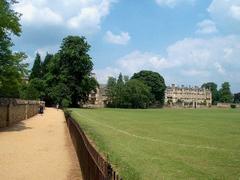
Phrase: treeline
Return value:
(222, 95)
(144, 89)
(63, 78)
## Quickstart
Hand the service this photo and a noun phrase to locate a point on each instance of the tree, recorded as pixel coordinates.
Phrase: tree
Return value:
(111, 90)
(46, 63)
(34, 90)
(127, 93)
(225, 94)
(137, 94)
(75, 67)
(156, 84)
(37, 68)
(237, 98)
(213, 87)
(12, 70)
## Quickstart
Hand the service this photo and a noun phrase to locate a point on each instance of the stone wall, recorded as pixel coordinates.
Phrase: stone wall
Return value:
(15, 110)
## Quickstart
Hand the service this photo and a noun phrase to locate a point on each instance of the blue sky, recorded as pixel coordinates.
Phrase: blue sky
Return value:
(189, 42)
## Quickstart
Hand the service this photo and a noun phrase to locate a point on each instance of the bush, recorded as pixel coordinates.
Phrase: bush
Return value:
(233, 106)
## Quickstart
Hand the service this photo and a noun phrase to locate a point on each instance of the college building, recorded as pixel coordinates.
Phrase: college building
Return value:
(187, 96)
(191, 97)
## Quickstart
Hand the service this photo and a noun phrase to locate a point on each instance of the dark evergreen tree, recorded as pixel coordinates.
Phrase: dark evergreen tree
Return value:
(46, 63)
(37, 68)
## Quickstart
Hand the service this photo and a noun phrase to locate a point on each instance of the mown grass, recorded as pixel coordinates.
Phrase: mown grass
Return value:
(167, 143)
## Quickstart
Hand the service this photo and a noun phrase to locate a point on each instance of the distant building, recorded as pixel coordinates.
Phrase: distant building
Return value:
(99, 98)
(188, 96)
(192, 97)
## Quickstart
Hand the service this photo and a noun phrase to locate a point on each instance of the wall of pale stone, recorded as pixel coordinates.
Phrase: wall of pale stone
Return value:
(15, 110)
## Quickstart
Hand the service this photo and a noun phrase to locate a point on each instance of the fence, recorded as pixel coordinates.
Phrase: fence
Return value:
(93, 165)
(15, 110)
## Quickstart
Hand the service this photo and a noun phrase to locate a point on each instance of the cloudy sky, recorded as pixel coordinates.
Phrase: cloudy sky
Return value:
(187, 41)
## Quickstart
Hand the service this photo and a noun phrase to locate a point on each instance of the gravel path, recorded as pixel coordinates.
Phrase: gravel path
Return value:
(38, 148)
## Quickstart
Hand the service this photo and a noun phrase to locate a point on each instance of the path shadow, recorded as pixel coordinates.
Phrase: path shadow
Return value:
(20, 126)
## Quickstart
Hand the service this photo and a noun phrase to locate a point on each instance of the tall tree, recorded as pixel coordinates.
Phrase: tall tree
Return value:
(37, 68)
(46, 62)
(155, 82)
(12, 70)
(76, 66)
(111, 90)
(213, 87)
(137, 94)
(225, 94)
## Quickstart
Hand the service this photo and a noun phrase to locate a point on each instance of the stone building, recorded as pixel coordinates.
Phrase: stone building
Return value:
(188, 96)
(99, 98)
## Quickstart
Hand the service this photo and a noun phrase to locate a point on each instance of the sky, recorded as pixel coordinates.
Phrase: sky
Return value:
(189, 42)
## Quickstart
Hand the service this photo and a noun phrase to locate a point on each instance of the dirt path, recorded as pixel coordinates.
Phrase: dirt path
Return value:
(38, 148)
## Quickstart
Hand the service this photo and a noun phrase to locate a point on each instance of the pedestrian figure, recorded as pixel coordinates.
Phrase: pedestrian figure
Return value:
(57, 106)
(41, 109)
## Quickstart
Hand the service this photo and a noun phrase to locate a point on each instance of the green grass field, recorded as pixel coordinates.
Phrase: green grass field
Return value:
(167, 143)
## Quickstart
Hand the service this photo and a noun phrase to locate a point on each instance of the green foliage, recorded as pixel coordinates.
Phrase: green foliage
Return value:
(76, 66)
(127, 93)
(66, 76)
(156, 84)
(233, 106)
(34, 90)
(12, 70)
(237, 98)
(225, 94)
(46, 63)
(37, 68)
(137, 94)
(213, 87)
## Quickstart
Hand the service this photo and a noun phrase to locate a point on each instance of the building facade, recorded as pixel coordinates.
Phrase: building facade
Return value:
(188, 96)
(98, 98)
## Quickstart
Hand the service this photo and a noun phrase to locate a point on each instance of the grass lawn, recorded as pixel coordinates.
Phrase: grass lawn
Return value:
(167, 143)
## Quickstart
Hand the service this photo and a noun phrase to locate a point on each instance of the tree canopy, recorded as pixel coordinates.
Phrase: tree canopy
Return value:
(225, 94)
(64, 78)
(213, 87)
(156, 84)
(37, 68)
(12, 70)
(125, 93)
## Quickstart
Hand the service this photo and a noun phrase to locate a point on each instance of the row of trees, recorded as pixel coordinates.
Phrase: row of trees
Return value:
(145, 88)
(63, 78)
(223, 95)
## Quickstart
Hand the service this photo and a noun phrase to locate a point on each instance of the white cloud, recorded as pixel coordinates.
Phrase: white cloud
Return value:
(82, 15)
(122, 38)
(235, 12)
(173, 3)
(226, 14)
(206, 27)
(32, 14)
(189, 61)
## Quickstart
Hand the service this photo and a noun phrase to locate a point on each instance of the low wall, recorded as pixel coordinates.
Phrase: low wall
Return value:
(93, 165)
(227, 105)
(15, 110)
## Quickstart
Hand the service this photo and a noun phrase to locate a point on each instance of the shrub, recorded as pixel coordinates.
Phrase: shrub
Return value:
(233, 106)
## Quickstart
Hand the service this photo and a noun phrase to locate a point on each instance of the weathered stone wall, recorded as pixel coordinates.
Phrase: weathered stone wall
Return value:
(15, 110)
